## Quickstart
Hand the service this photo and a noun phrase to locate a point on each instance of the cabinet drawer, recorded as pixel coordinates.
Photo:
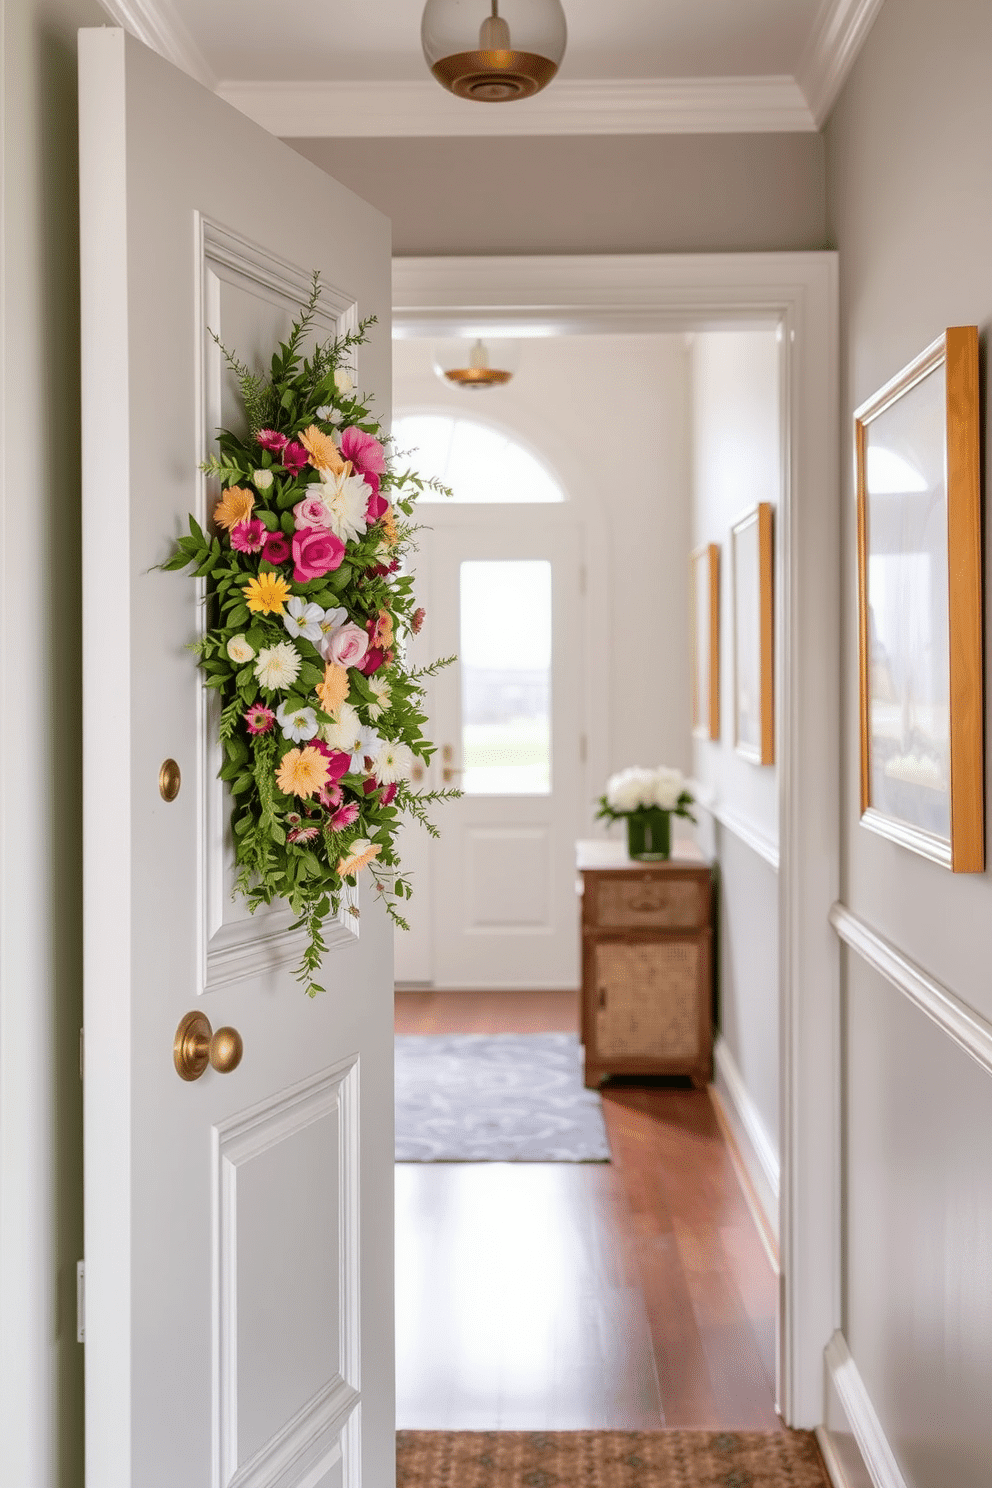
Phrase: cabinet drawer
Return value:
(647, 902)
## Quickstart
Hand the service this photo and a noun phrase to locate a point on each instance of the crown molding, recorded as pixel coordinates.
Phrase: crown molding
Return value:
(157, 24)
(350, 109)
(839, 32)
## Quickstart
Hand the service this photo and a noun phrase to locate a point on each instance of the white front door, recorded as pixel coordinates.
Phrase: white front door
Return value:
(503, 592)
(238, 1229)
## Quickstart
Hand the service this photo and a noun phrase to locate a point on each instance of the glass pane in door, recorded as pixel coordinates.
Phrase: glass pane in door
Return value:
(505, 656)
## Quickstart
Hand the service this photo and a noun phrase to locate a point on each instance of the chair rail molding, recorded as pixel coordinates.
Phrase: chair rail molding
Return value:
(747, 832)
(963, 1024)
(866, 1428)
(644, 293)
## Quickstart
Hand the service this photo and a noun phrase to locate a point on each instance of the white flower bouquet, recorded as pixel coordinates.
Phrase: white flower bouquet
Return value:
(647, 800)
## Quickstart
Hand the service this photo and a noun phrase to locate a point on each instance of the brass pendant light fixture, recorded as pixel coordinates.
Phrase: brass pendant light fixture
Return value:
(493, 51)
(486, 364)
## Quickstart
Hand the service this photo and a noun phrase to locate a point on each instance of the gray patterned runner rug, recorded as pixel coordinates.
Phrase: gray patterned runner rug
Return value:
(506, 1097)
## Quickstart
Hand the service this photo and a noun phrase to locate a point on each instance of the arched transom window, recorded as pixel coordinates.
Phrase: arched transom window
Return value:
(479, 463)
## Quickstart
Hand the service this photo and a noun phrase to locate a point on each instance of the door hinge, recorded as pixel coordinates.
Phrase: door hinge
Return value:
(80, 1301)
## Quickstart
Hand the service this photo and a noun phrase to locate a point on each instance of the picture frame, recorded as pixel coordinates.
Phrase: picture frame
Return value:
(704, 600)
(752, 572)
(920, 629)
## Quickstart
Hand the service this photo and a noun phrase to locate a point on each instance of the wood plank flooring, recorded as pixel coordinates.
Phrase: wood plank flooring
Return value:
(629, 1295)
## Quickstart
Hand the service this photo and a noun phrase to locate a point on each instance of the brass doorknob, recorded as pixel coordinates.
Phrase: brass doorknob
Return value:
(196, 1045)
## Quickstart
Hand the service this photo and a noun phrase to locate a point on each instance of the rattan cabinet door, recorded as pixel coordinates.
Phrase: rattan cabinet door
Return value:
(647, 999)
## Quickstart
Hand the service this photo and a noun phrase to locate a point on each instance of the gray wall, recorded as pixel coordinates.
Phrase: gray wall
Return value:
(40, 982)
(909, 171)
(709, 193)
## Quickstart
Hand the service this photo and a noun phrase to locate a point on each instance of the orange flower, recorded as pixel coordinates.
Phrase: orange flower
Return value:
(334, 688)
(236, 505)
(267, 594)
(383, 629)
(389, 526)
(362, 852)
(322, 450)
(302, 772)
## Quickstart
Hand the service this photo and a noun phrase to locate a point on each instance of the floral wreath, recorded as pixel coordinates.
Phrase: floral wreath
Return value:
(308, 609)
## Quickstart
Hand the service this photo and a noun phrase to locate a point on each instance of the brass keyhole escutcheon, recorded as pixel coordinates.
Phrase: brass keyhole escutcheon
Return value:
(196, 1045)
(169, 780)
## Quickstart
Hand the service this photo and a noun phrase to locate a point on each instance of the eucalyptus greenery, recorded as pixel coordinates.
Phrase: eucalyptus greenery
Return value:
(303, 845)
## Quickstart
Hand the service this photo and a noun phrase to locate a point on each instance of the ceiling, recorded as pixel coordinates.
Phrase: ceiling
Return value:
(632, 66)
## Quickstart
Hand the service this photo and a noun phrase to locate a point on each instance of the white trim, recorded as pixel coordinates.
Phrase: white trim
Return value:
(839, 32)
(663, 292)
(866, 1428)
(756, 1148)
(378, 109)
(747, 832)
(968, 1029)
(159, 26)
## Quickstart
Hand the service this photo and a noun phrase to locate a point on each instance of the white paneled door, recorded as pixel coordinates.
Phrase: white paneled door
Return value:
(503, 592)
(239, 1227)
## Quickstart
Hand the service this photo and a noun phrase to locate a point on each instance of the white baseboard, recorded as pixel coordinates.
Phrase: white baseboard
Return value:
(755, 1147)
(876, 1454)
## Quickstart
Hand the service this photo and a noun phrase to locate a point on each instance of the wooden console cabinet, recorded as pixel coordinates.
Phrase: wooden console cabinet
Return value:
(647, 963)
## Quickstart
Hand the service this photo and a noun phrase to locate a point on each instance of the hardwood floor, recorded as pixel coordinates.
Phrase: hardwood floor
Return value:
(628, 1295)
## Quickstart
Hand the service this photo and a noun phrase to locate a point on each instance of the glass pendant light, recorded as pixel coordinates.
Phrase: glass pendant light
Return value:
(493, 51)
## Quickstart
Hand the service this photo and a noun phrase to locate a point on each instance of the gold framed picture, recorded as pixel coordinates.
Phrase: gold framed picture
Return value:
(704, 599)
(918, 473)
(751, 562)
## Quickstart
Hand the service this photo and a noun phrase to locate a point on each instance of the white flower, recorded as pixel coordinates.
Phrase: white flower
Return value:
(380, 688)
(262, 479)
(330, 415)
(277, 666)
(332, 620)
(303, 619)
(393, 763)
(239, 650)
(631, 789)
(345, 498)
(343, 380)
(668, 786)
(348, 735)
(298, 724)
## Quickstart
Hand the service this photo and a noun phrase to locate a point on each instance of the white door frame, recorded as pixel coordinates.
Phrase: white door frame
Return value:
(660, 292)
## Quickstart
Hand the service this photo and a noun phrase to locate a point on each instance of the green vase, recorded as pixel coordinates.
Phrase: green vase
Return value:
(649, 835)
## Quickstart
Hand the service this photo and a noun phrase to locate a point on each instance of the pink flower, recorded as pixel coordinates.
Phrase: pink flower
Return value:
(347, 645)
(368, 786)
(344, 817)
(337, 759)
(316, 551)
(270, 440)
(366, 454)
(330, 796)
(376, 505)
(389, 795)
(294, 457)
(311, 512)
(275, 548)
(374, 658)
(417, 620)
(247, 537)
(303, 834)
(259, 719)
(380, 570)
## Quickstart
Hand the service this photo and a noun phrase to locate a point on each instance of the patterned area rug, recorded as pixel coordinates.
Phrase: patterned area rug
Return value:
(508, 1097)
(608, 1459)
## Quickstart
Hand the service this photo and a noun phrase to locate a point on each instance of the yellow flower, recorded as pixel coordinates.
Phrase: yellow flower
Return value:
(322, 450)
(389, 526)
(302, 772)
(334, 688)
(267, 595)
(362, 852)
(236, 505)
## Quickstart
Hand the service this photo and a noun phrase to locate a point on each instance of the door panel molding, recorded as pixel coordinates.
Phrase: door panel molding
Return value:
(235, 945)
(309, 1439)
